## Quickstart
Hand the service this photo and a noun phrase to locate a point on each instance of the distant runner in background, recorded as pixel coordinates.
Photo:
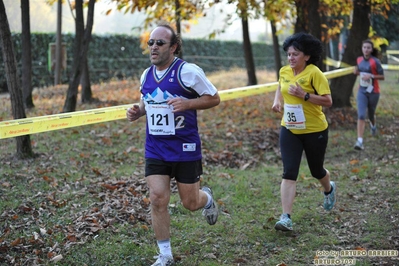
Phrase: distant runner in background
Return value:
(370, 71)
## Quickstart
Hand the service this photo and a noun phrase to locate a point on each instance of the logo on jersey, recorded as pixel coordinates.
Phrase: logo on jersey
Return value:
(284, 80)
(302, 81)
(159, 96)
(189, 146)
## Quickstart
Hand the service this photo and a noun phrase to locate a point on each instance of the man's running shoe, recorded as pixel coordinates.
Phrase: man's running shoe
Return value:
(163, 260)
(210, 214)
(329, 200)
(285, 223)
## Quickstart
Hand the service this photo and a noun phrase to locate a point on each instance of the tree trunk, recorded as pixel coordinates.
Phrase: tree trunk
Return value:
(85, 84)
(276, 49)
(81, 47)
(72, 93)
(310, 9)
(58, 45)
(24, 148)
(314, 26)
(178, 23)
(342, 87)
(26, 56)
(301, 23)
(249, 58)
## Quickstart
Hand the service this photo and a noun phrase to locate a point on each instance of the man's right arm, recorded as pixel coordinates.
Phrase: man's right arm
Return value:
(135, 112)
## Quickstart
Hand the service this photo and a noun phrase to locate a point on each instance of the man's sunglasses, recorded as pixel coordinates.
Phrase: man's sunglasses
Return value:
(151, 42)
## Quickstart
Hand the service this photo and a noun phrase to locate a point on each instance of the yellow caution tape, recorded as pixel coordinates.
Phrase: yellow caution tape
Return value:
(394, 58)
(26, 126)
(247, 91)
(263, 88)
(390, 67)
(337, 64)
(339, 72)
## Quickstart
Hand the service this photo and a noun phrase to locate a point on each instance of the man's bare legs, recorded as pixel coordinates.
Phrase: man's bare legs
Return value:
(191, 197)
(159, 186)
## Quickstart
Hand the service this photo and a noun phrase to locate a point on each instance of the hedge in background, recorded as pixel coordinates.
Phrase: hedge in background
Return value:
(120, 56)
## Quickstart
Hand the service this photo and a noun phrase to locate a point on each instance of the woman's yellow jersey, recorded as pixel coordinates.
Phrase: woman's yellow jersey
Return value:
(313, 81)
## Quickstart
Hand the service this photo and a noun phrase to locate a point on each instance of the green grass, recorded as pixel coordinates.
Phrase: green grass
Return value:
(86, 192)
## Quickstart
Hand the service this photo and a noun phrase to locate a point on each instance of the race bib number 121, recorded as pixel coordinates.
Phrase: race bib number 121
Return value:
(160, 119)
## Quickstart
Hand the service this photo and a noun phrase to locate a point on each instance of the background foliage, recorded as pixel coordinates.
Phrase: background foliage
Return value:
(120, 56)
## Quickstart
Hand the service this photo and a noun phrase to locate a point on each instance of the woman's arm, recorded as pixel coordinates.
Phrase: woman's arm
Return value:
(323, 100)
(378, 76)
(277, 100)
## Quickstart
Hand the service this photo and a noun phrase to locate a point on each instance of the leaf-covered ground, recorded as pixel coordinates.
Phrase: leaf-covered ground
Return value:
(240, 134)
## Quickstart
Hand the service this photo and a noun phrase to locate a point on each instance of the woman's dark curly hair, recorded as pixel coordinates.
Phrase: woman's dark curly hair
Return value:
(175, 39)
(306, 43)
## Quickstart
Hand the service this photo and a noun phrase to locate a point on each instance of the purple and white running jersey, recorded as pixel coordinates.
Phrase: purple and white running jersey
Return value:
(170, 136)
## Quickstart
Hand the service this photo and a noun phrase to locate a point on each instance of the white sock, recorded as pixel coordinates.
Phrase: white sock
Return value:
(360, 140)
(165, 247)
(209, 202)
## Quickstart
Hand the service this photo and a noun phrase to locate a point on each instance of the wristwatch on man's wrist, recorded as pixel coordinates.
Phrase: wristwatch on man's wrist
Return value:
(307, 96)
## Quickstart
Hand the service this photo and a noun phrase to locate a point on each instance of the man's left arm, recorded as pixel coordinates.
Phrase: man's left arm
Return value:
(205, 101)
(194, 77)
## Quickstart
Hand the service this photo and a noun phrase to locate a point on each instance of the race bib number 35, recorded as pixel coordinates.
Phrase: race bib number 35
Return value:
(294, 117)
(160, 119)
